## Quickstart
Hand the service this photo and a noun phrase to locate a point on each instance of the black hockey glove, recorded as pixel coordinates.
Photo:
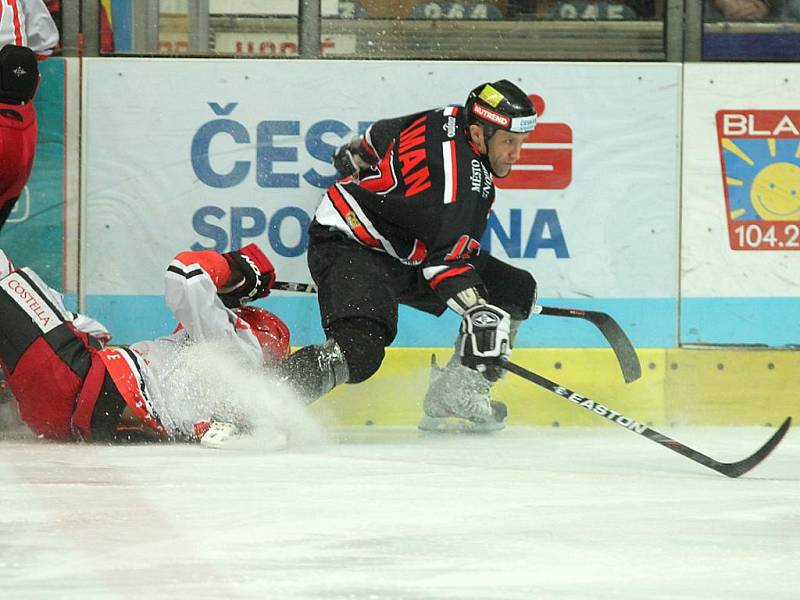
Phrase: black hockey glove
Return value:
(485, 343)
(19, 74)
(344, 161)
(252, 276)
(351, 159)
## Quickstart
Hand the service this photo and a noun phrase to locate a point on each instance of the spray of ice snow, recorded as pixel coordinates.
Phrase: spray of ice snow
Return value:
(11, 426)
(216, 382)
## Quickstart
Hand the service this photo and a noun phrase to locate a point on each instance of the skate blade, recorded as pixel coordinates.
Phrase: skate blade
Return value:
(457, 425)
(225, 436)
(274, 443)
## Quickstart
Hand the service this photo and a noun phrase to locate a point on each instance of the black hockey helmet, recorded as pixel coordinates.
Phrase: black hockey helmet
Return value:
(19, 74)
(500, 105)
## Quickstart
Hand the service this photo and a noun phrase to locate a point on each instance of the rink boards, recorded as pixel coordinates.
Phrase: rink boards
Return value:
(638, 196)
(677, 387)
(665, 194)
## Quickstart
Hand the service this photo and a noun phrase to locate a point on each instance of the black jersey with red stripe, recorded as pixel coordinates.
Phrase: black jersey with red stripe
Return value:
(425, 201)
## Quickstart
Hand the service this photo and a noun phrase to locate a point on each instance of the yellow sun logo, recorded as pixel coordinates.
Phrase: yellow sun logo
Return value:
(775, 192)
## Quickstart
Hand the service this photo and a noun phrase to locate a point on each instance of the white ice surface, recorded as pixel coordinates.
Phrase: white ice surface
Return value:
(388, 514)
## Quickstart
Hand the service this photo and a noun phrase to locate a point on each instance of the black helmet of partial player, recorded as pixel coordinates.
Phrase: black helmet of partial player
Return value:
(19, 74)
(500, 105)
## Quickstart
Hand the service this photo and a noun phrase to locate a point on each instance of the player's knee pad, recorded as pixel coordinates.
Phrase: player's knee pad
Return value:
(510, 288)
(363, 343)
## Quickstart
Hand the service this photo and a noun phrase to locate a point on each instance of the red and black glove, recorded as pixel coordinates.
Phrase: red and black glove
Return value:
(252, 276)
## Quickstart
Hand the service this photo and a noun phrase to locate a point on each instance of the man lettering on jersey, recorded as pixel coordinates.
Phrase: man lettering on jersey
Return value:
(403, 227)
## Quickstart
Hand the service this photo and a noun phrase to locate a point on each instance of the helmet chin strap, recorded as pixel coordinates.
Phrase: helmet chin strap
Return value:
(488, 132)
(488, 163)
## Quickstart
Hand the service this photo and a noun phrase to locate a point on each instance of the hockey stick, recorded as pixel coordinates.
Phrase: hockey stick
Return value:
(616, 338)
(734, 469)
(293, 286)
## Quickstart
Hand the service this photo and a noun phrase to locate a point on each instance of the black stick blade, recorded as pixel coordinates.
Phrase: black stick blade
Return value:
(732, 470)
(743, 466)
(606, 412)
(619, 342)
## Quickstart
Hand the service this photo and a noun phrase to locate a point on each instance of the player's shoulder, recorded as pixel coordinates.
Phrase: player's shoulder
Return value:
(451, 112)
(445, 122)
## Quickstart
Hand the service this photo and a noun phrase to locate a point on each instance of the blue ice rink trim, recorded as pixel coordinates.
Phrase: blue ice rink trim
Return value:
(767, 321)
(650, 323)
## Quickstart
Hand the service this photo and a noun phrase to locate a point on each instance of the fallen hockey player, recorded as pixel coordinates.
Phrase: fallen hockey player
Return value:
(69, 384)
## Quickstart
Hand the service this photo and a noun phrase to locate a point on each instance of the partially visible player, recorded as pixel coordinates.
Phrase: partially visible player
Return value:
(27, 34)
(71, 385)
(28, 23)
(19, 78)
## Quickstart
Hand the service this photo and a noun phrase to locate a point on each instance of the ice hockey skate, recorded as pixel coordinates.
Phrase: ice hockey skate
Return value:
(458, 401)
(223, 435)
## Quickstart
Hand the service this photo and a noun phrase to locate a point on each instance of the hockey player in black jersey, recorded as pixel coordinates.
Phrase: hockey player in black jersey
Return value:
(403, 227)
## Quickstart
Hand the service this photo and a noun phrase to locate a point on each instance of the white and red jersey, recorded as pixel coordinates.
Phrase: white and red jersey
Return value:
(28, 23)
(169, 389)
(426, 200)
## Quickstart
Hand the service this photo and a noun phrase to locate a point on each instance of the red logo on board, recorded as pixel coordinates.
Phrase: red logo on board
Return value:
(546, 160)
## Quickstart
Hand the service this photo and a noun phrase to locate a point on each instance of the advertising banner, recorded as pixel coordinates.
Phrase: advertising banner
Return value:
(761, 173)
(741, 205)
(219, 153)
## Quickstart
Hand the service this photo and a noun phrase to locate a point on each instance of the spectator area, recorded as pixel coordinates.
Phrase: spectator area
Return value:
(403, 9)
